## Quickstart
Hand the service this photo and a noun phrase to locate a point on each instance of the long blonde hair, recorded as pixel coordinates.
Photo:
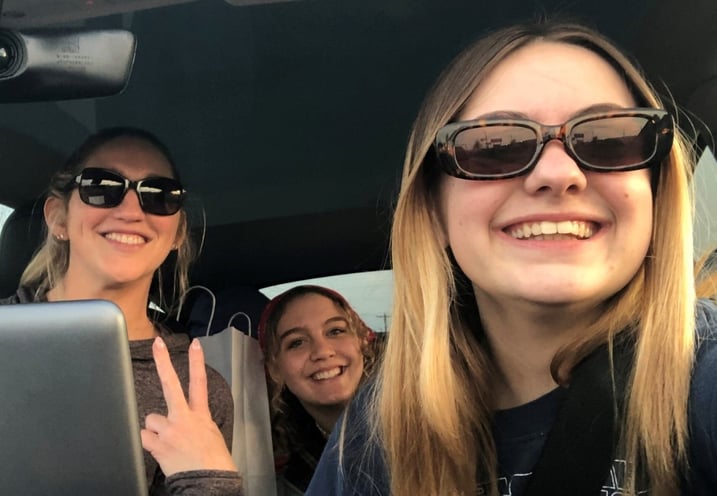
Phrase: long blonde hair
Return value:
(433, 403)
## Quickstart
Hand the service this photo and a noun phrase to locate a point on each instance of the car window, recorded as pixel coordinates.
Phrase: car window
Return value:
(705, 203)
(5, 212)
(369, 293)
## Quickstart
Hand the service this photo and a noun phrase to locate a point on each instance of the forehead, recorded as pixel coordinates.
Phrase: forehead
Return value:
(132, 157)
(549, 82)
(308, 309)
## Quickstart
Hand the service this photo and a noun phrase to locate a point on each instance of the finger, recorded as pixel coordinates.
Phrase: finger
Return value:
(198, 396)
(155, 422)
(150, 440)
(171, 387)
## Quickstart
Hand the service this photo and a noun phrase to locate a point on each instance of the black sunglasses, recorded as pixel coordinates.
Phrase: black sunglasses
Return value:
(619, 140)
(104, 188)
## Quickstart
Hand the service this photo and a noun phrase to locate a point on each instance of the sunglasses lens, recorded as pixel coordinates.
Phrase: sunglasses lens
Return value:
(615, 142)
(495, 151)
(101, 188)
(161, 195)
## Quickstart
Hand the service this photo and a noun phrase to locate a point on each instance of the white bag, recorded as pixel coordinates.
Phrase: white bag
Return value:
(238, 357)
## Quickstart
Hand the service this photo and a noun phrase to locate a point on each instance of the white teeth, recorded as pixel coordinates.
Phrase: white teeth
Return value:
(553, 230)
(128, 239)
(565, 227)
(326, 374)
(548, 227)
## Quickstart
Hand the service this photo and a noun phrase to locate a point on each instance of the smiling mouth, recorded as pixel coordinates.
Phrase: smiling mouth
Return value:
(127, 239)
(546, 230)
(327, 374)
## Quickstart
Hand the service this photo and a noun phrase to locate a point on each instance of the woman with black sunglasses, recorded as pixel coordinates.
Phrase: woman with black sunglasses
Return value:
(546, 335)
(114, 214)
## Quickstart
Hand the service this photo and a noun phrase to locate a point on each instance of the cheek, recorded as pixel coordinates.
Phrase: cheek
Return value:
(80, 216)
(630, 196)
(168, 227)
(468, 205)
(352, 350)
(288, 367)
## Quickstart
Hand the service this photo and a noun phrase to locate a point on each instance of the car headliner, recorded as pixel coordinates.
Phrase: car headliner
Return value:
(289, 120)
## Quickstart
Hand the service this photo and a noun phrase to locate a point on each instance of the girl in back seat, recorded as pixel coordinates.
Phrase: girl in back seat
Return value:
(317, 352)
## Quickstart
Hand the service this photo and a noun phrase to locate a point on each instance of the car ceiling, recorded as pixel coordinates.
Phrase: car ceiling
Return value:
(288, 120)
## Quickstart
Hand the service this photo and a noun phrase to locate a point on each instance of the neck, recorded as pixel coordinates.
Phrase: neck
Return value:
(325, 416)
(130, 298)
(524, 338)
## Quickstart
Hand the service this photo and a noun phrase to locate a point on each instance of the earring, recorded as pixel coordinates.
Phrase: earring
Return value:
(60, 237)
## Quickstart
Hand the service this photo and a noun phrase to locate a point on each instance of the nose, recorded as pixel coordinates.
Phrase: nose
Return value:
(555, 172)
(129, 208)
(321, 349)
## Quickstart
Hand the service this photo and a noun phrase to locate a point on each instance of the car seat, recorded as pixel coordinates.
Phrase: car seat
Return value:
(21, 235)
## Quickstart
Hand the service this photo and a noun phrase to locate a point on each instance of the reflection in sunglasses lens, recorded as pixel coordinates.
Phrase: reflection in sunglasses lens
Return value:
(614, 142)
(495, 150)
(106, 189)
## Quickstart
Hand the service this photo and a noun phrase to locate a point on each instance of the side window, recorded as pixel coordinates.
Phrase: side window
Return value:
(5, 212)
(369, 293)
(705, 204)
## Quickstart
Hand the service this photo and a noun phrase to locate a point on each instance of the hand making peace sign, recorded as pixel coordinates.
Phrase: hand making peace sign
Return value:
(187, 438)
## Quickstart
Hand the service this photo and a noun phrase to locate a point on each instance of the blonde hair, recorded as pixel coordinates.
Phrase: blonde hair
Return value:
(49, 264)
(432, 408)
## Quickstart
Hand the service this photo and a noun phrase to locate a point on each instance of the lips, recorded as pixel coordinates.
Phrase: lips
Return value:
(566, 229)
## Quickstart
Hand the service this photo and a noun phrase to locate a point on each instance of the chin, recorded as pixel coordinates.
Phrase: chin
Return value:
(337, 400)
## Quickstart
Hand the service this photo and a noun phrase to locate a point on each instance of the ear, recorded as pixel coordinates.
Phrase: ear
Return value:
(55, 213)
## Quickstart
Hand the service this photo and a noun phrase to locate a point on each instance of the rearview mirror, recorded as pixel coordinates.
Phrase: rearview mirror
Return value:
(64, 64)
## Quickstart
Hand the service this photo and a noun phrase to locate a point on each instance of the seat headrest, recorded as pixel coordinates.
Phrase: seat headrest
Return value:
(21, 235)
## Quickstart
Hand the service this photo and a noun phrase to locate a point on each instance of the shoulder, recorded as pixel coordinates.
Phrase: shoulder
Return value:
(706, 355)
(706, 320)
(703, 401)
(353, 462)
(706, 330)
(22, 295)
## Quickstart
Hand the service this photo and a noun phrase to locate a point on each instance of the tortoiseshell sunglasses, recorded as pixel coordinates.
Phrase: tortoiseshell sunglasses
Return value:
(619, 140)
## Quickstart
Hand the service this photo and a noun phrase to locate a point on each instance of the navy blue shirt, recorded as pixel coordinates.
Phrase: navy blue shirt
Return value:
(520, 434)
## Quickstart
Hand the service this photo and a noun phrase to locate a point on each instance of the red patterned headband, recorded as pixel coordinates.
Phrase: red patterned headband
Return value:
(304, 289)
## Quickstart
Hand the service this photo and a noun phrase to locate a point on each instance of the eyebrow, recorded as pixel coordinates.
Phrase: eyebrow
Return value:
(293, 330)
(510, 114)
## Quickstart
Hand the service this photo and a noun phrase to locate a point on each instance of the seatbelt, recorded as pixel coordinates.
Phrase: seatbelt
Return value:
(580, 447)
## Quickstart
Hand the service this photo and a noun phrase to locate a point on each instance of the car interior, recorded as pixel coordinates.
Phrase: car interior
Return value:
(288, 119)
